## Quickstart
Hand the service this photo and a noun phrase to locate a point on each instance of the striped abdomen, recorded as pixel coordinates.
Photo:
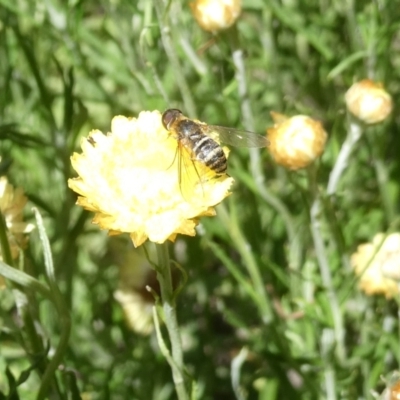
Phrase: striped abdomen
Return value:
(204, 148)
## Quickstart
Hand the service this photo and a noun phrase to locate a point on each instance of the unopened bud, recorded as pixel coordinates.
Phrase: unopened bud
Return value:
(216, 15)
(297, 141)
(368, 101)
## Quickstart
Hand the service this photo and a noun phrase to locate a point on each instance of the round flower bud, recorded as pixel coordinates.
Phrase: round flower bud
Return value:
(135, 273)
(216, 15)
(368, 101)
(297, 141)
(377, 263)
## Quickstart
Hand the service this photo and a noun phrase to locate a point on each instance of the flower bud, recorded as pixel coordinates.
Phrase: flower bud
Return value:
(12, 203)
(216, 15)
(368, 101)
(377, 264)
(297, 141)
(135, 273)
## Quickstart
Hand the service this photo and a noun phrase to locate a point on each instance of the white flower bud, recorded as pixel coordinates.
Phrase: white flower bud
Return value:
(216, 15)
(297, 141)
(368, 101)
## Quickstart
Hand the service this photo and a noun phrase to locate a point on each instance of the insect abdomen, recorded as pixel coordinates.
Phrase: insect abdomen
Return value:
(204, 148)
(210, 153)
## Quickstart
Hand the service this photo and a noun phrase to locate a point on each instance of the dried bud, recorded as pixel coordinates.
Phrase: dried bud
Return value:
(297, 141)
(377, 263)
(368, 101)
(216, 15)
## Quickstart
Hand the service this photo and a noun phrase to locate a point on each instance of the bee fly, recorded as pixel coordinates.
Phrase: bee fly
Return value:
(202, 140)
(192, 136)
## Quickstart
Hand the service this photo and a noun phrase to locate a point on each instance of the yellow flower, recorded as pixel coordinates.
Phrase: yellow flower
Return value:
(216, 15)
(378, 265)
(129, 178)
(297, 141)
(368, 101)
(12, 203)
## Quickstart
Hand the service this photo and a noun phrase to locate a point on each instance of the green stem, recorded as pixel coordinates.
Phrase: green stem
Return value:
(168, 304)
(5, 246)
(24, 280)
(245, 105)
(255, 159)
(323, 262)
(24, 300)
(330, 382)
(295, 246)
(59, 303)
(236, 365)
(354, 133)
(382, 179)
(353, 136)
(241, 279)
(244, 249)
(181, 82)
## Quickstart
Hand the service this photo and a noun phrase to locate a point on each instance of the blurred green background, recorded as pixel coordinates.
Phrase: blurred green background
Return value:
(67, 67)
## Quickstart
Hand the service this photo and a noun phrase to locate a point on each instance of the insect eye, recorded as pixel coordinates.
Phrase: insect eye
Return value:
(170, 116)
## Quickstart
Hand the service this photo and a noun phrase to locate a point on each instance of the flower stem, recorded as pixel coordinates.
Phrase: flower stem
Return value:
(255, 158)
(244, 248)
(323, 262)
(382, 179)
(172, 55)
(354, 133)
(25, 301)
(236, 366)
(168, 305)
(353, 136)
(63, 312)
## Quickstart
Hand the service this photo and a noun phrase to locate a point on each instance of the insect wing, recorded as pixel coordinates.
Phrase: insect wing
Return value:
(189, 176)
(235, 137)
